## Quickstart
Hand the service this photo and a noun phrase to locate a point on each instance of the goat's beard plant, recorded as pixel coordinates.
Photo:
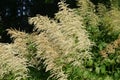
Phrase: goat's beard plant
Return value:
(62, 45)
(58, 42)
(67, 41)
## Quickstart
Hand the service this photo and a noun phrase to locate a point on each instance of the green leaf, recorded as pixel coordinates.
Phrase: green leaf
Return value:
(97, 70)
(103, 69)
(90, 63)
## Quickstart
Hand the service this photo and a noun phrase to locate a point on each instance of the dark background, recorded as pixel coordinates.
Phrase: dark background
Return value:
(43, 7)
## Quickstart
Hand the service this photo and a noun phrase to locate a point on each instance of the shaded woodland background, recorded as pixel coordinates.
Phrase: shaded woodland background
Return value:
(42, 7)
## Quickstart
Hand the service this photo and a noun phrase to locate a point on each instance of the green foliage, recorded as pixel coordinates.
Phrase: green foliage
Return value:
(102, 69)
